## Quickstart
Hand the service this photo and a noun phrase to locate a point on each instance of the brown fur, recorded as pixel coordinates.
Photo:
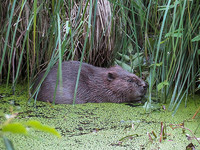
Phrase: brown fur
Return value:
(96, 85)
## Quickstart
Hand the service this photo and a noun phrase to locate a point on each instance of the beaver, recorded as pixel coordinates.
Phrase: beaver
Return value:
(96, 85)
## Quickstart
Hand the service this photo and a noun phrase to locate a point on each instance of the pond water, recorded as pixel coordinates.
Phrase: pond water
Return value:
(101, 126)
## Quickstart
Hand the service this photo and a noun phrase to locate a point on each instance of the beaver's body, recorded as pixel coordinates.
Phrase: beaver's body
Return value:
(96, 85)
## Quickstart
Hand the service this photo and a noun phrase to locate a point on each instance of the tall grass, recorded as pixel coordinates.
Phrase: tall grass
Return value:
(158, 37)
(166, 31)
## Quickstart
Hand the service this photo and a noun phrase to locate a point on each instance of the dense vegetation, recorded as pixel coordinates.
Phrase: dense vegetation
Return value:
(156, 39)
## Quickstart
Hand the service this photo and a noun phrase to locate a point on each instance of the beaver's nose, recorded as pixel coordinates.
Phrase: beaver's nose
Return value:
(145, 85)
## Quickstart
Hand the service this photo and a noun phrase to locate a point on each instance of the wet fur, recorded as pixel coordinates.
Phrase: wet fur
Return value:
(96, 85)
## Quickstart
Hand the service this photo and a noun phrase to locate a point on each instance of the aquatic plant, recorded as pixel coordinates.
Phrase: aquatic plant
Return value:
(158, 37)
(21, 128)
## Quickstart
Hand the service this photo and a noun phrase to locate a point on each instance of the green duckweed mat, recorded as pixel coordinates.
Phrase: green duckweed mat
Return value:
(105, 126)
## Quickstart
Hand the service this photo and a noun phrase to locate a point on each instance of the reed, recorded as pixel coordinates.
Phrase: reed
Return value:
(167, 33)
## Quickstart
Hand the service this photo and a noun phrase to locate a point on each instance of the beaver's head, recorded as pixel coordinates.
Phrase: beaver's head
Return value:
(127, 86)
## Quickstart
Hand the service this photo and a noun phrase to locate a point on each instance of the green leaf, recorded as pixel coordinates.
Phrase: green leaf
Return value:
(176, 33)
(198, 51)
(136, 55)
(130, 48)
(197, 38)
(124, 65)
(161, 85)
(162, 42)
(126, 57)
(37, 125)
(137, 61)
(8, 143)
(150, 106)
(14, 128)
(67, 27)
(157, 64)
(164, 7)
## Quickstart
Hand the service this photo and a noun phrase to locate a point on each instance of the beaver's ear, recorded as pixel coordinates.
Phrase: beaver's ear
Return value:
(111, 76)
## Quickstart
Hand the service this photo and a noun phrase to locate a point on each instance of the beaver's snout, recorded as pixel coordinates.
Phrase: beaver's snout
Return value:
(145, 86)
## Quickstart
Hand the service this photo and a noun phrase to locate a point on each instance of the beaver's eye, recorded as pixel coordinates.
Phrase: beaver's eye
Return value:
(130, 80)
